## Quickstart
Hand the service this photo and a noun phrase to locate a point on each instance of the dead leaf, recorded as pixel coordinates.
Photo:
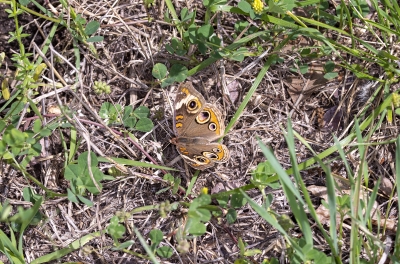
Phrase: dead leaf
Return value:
(386, 186)
(305, 86)
(54, 109)
(217, 188)
(332, 118)
(324, 214)
(308, 83)
(233, 88)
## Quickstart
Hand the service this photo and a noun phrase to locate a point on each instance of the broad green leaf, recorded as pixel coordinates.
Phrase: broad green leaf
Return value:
(115, 229)
(231, 216)
(14, 137)
(330, 75)
(190, 34)
(29, 195)
(127, 111)
(196, 228)
(85, 201)
(5, 211)
(45, 132)
(165, 252)
(144, 125)
(202, 48)
(88, 182)
(159, 71)
(203, 199)
(24, 2)
(72, 172)
(200, 214)
(205, 32)
(167, 82)
(92, 27)
(240, 25)
(237, 200)
(222, 199)
(179, 72)
(156, 236)
(244, 6)
(37, 125)
(71, 196)
(184, 12)
(329, 66)
(83, 159)
(264, 175)
(168, 177)
(142, 111)
(111, 113)
(130, 122)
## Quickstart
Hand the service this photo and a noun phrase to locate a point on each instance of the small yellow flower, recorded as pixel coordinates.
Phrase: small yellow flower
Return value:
(204, 190)
(258, 6)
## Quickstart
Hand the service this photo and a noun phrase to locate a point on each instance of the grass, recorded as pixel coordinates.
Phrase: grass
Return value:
(96, 180)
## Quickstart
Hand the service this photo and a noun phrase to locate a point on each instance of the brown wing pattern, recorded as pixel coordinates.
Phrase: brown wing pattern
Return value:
(197, 124)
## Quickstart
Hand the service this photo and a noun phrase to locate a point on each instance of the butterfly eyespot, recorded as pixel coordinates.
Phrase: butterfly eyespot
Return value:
(203, 117)
(210, 155)
(201, 159)
(217, 150)
(212, 126)
(193, 105)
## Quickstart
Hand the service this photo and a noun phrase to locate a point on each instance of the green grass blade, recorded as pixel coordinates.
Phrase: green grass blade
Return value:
(355, 205)
(172, 10)
(250, 93)
(397, 178)
(192, 182)
(332, 239)
(233, 46)
(330, 185)
(370, 206)
(73, 147)
(272, 221)
(323, 25)
(298, 208)
(349, 171)
(382, 107)
(383, 28)
(134, 163)
(279, 22)
(145, 246)
(283, 176)
(8, 248)
(76, 245)
(47, 43)
(30, 214)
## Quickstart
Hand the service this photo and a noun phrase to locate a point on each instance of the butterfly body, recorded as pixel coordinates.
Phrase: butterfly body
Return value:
(197, 126)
